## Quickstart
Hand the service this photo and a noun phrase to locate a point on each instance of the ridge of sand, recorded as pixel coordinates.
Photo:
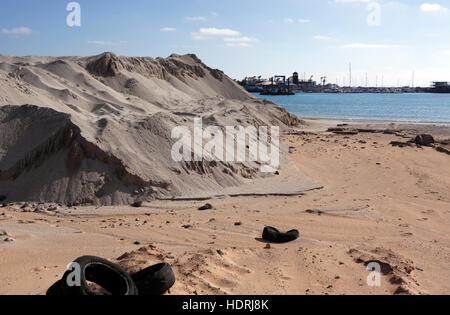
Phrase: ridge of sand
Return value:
(98, 129)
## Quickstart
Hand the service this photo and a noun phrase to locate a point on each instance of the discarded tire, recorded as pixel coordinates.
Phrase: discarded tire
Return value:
(56, 289)
(271, 234)
(107, 275)
(154, 280)
(424, 140)
(208, 206)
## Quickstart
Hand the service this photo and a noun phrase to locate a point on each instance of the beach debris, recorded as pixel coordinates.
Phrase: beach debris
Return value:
(2, 198)
(443, 150)
(8, 239)
(344, 131)
(107, 277)
(207, 206)
(3, 233)
(154, 280)
(52, 208)
(137, 243)
(187, 226)
(401, 144)
(314, 211)
(221, 253)
(137, 204)
(237, 223)
(272, 234)
(424, 140)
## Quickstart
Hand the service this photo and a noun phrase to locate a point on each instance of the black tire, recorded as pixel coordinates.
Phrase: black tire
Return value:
(109, 276)
(271, 234)
(154, 280)
(55, 290)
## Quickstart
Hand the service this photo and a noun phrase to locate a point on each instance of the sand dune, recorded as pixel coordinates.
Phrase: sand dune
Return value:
(83, 130)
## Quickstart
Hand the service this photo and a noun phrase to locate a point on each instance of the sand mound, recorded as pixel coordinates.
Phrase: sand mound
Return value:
(99, 128)
(398, 270)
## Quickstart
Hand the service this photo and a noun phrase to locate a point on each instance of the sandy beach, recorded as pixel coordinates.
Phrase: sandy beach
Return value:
(376, 202)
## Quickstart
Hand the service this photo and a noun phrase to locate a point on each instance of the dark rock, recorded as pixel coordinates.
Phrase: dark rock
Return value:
(343, 131)
(443, 150)
(137, 204)
(208, 206)
(187, 226)
(238, 223)
(220, 252)
(424, 140)
(137, 243)
(314, 211)
(400, 144)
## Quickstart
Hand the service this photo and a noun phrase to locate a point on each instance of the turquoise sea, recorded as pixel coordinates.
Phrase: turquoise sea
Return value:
(411, 107)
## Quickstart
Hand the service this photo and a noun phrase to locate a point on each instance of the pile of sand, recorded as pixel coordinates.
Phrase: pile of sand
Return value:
(98, 129)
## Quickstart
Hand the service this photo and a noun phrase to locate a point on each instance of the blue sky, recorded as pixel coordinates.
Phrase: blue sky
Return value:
(248, 37)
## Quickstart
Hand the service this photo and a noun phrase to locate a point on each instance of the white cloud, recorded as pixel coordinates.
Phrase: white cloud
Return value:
(433, 7)
(17, 31)
(370, 46)
(303, 21)
(168, 29)
(288, 20)
(218, 32)
(195, 18)
(240, 39)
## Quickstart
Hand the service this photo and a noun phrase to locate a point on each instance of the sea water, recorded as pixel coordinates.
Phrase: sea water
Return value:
(426, 108)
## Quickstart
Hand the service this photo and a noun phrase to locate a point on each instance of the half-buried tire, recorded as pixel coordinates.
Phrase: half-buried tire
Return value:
(111, 278)
(154, 280)
(272, 234)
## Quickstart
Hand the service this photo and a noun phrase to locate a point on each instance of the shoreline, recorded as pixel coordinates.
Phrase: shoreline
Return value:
(373, 121)
(442, 132)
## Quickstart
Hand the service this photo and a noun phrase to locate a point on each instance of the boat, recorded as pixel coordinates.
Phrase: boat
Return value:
(440, 87)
